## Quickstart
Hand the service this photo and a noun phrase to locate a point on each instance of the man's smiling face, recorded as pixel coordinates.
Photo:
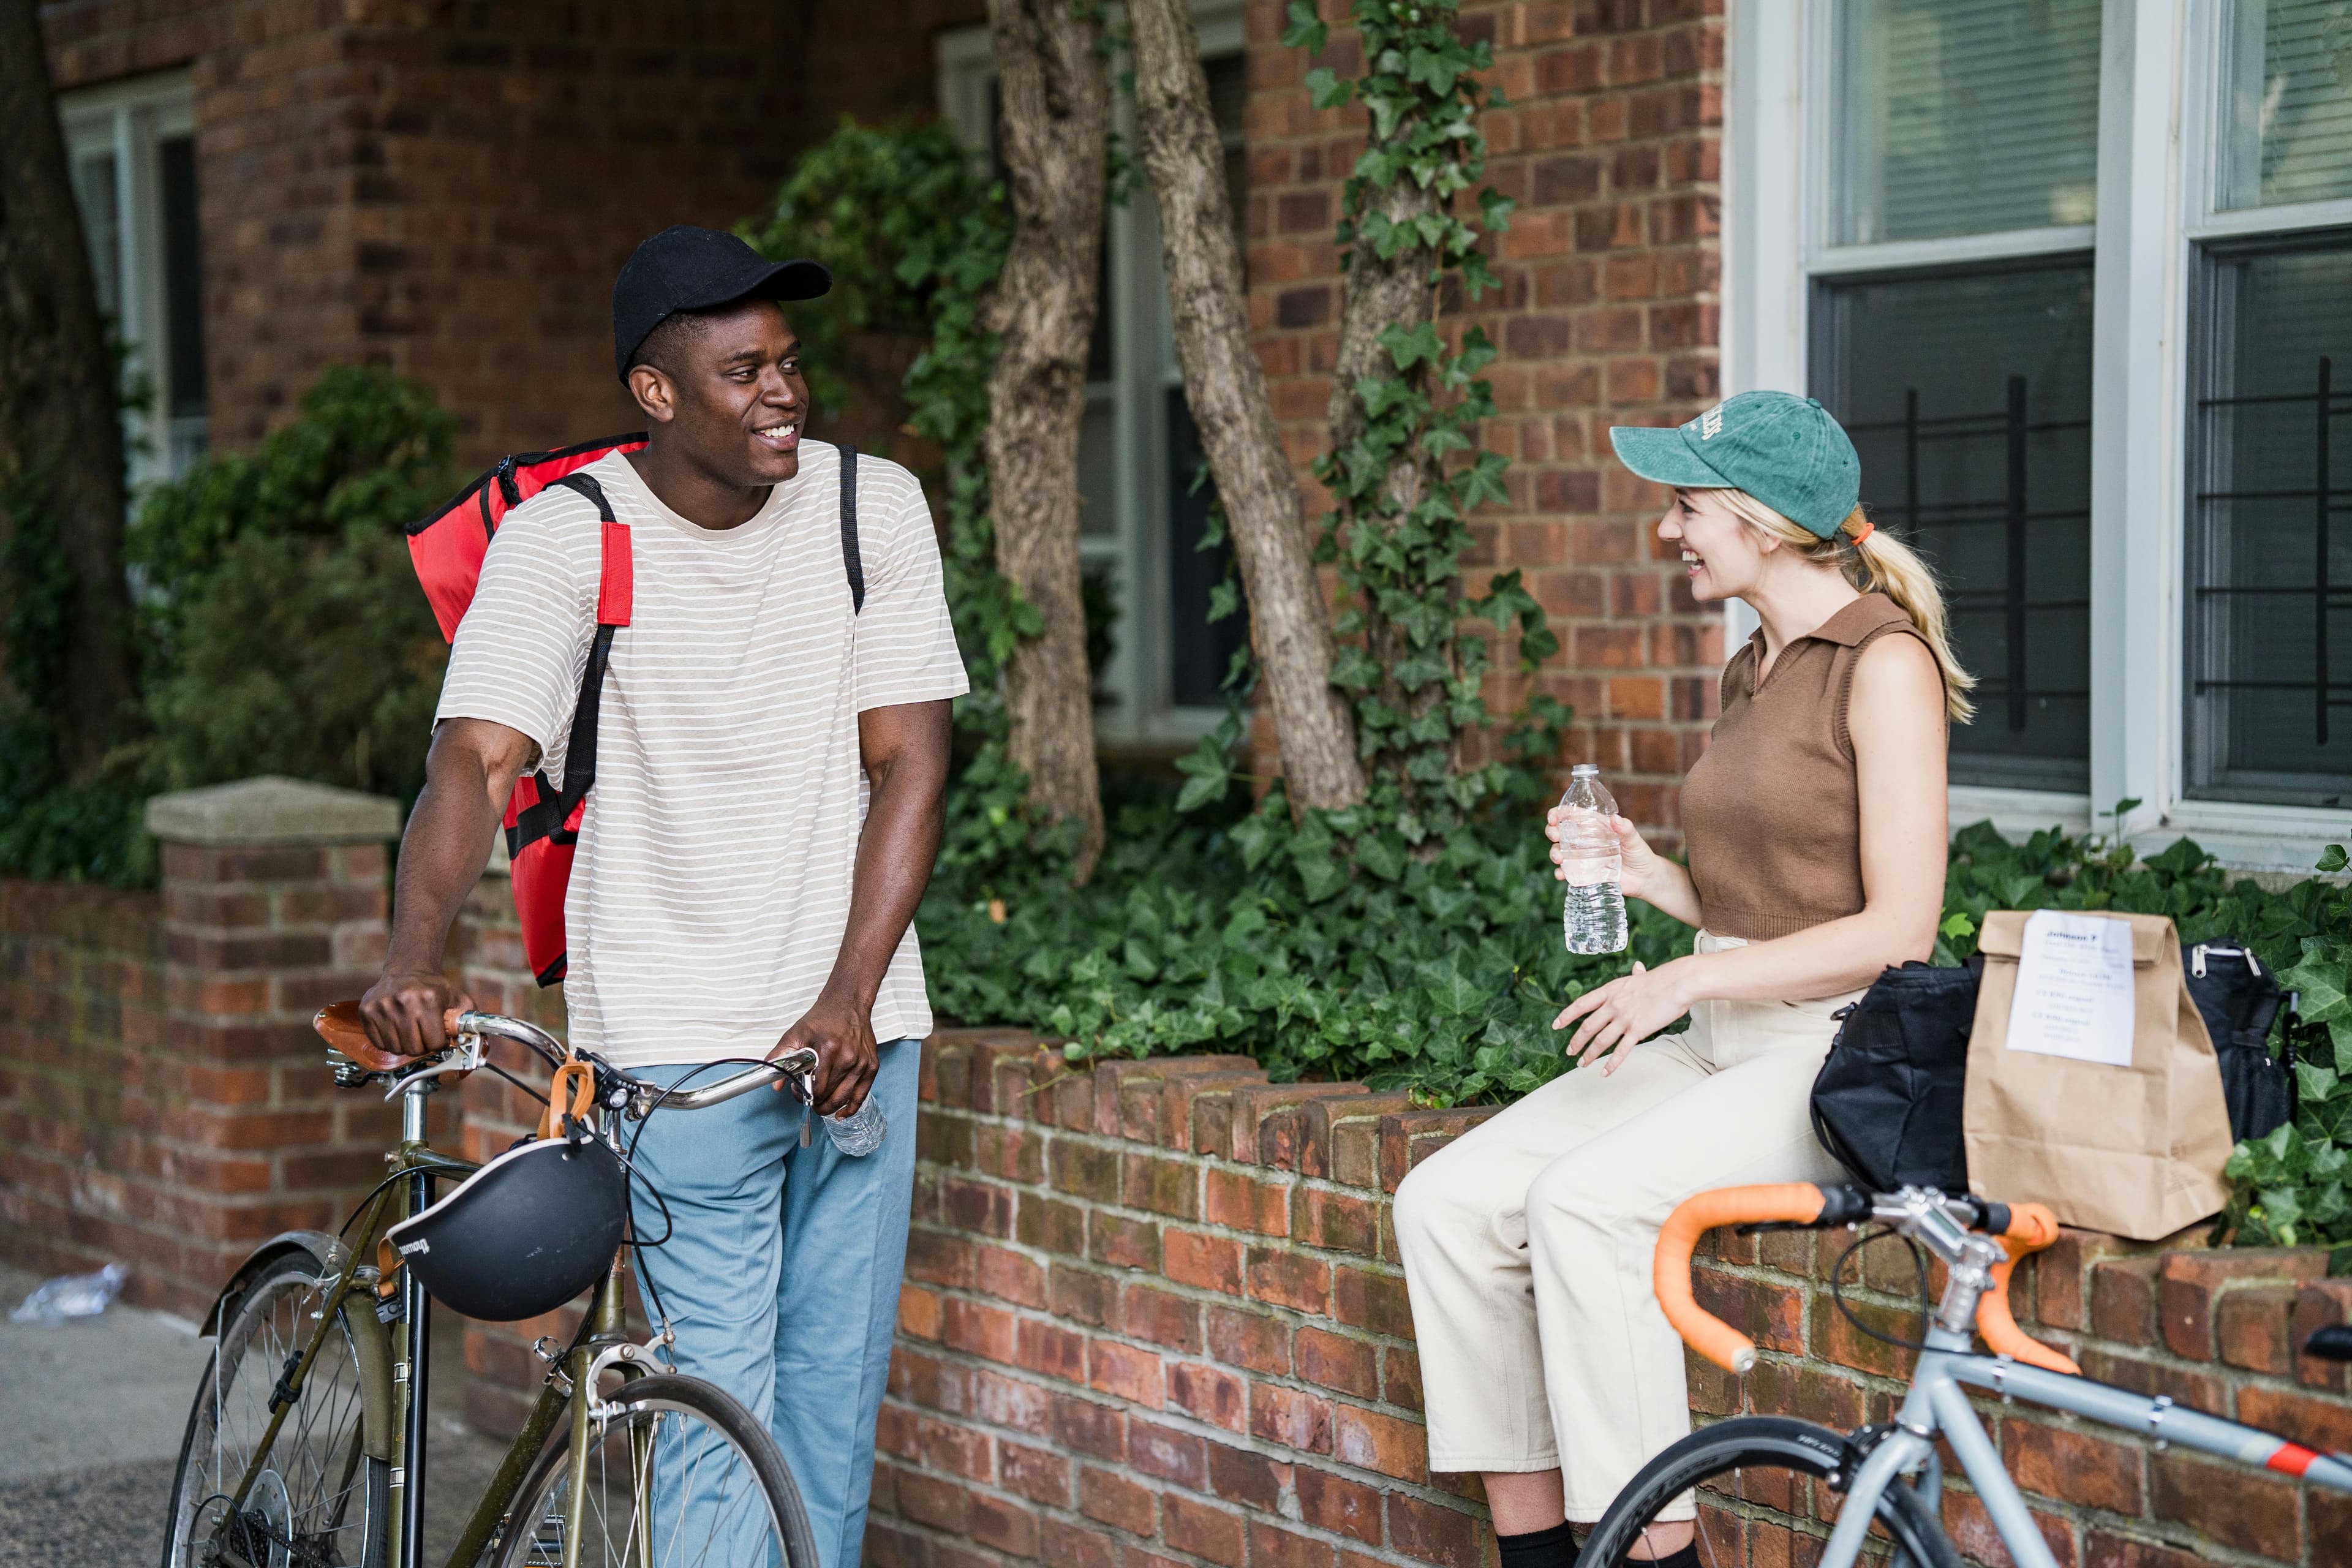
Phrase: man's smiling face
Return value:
(729, 391)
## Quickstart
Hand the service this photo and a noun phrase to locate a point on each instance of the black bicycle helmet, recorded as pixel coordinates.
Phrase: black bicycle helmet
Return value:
(524, 1234)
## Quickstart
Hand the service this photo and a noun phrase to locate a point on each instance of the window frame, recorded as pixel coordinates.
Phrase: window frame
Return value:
(130, 120)
(2159, 138)
(1142, 712)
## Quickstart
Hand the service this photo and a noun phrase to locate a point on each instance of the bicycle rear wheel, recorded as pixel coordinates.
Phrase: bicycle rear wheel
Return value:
(319, 1500)
(680, 1473)
(1769, 1492)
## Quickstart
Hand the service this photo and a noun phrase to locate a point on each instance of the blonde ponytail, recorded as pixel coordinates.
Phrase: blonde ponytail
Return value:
(1876, 563)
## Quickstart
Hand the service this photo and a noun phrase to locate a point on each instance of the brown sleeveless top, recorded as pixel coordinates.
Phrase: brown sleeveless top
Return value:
(1772, 818)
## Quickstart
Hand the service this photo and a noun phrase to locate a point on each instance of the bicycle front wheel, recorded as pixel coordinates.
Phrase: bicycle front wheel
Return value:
(317, 1499)
(1768, 1493)
(678, 1473)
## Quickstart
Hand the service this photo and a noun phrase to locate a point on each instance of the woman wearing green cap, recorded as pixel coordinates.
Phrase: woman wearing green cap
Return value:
(1815, 831)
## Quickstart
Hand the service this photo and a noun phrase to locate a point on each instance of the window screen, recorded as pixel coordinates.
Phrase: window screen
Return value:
(2270, 644)
(2287, 136)
(1954, 117)
(1968, 395)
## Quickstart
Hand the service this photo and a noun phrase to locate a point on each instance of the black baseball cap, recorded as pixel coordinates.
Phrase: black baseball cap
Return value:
(689, 268)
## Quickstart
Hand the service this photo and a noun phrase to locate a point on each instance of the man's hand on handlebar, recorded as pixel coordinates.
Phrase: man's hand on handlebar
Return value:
(842, 1035)
(404, 1010)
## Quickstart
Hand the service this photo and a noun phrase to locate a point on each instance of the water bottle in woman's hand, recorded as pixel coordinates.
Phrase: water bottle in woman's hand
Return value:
(1592, 920)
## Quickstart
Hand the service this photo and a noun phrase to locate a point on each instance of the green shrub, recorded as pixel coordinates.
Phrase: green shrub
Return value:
(286, 631)
(280, 629)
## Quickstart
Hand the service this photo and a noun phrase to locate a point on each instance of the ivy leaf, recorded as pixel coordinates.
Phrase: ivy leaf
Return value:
(1383, 858)
(2322, 979)
(2331, 859)
(1325, 88)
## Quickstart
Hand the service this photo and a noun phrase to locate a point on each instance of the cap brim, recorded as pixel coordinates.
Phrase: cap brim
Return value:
(1663, 458)
(775, 281)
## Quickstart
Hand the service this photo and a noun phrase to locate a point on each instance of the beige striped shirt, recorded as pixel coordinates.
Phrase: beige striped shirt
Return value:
(711, 886)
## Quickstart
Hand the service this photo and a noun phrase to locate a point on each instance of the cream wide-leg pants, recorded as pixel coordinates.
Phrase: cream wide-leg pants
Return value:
(1528, 1242)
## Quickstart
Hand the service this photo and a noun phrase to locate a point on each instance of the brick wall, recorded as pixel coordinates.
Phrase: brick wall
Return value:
(163, 1102)
(1607, 315)
(1153, 1316)
(449, 190)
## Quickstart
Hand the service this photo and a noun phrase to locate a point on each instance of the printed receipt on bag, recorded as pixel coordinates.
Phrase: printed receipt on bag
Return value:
(2073, 989)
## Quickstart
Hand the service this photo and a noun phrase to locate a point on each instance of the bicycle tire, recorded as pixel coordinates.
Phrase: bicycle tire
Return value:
(247, 1354)
(1757, 1443)
(635, 1403)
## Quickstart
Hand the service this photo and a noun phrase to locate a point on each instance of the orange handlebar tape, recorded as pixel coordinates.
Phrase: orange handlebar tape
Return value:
(2032, 1228)
(1798, 1202)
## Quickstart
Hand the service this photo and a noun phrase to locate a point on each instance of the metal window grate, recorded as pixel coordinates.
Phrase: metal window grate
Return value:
(2010, 513)
(2325, 596)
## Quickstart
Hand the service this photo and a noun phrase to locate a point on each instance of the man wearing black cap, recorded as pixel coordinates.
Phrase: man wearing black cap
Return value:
(769, 768)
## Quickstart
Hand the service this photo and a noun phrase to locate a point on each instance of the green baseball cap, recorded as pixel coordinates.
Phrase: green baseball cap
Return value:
(1783, 449)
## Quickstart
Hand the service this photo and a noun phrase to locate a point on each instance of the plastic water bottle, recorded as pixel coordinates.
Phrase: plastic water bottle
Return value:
(1592, 919)
(858, 1131)
(72, 1296)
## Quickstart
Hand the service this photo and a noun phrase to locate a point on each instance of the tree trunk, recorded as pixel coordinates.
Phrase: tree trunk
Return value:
(1381, 293)
(1226, 387)
(61, 421)
(1055, 124)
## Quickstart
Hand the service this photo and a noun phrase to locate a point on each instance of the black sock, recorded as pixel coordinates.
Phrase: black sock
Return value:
(1553, 1548)
(1686, 1558)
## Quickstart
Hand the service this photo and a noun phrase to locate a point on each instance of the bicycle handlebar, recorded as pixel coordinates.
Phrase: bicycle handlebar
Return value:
(340, 1025)
(2024, 1227)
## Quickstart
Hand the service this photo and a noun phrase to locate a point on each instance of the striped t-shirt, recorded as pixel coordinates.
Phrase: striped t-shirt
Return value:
(711, 886)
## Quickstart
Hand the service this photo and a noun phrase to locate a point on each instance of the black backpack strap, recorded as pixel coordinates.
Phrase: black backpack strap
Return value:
(546, 819)
(850, 559)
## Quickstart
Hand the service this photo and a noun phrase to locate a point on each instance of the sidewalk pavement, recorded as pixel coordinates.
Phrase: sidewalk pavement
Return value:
(92, 1414)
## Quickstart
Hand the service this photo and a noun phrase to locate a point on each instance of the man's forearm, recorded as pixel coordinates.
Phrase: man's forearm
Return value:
(441, 857)
(903, 822)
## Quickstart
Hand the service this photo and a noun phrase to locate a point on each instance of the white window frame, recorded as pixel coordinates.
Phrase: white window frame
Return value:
(130, 119)
(1142, 712)
(2158, 142)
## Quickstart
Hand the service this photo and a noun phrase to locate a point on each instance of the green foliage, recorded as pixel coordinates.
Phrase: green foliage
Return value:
(1321, 949)
(281, 629)
(286, 631)
(1406, 482)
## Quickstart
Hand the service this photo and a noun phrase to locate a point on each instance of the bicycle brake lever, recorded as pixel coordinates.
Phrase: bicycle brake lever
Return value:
(462, 1058)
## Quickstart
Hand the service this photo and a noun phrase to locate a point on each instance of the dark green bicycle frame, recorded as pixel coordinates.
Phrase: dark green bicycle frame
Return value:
(391, 1392)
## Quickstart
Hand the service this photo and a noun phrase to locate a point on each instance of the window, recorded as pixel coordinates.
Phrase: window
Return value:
(2078, 276)
(2269, 683)
(1951, 324)
(131, 150)
(1141, 515)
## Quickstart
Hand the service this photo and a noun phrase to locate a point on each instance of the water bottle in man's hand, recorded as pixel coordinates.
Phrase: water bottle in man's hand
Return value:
(1592, 920)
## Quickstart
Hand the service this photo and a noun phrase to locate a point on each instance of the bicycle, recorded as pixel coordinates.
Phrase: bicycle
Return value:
(1779, 1489)
(306, 1446)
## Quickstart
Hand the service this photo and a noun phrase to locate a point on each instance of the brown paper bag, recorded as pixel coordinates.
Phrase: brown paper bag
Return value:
(2136, 1150)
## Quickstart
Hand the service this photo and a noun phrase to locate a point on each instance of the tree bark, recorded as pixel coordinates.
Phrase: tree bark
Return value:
(1381, 293)
(1226, 386)
(61, 421)
(1056, 122)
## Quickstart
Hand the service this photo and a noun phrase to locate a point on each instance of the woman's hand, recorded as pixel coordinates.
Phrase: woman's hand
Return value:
(1645, 867)
(1628, 1009)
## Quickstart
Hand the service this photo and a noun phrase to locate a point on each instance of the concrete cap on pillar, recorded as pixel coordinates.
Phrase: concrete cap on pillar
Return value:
(272, 810)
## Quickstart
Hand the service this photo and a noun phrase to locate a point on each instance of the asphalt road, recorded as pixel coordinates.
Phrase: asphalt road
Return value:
(92, 1415)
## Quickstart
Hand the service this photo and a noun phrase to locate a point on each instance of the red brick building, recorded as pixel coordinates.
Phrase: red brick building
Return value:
(2075, 273)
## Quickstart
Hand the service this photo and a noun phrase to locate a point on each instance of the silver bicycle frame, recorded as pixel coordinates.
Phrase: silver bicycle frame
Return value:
(1938, 1405)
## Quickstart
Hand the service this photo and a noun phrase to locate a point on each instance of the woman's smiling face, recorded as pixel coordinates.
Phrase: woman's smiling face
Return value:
(1721, 553)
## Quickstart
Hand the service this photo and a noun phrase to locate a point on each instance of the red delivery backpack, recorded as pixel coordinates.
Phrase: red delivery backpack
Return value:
(542, 822)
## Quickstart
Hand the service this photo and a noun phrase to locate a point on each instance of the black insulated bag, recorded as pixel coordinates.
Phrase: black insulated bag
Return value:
(1887, 1103)
(2239, 1001)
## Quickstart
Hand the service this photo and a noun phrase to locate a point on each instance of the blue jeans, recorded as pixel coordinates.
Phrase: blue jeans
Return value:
(782, 1275)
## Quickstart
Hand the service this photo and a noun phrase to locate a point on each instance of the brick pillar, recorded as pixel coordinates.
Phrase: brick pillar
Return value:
(274, 903)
